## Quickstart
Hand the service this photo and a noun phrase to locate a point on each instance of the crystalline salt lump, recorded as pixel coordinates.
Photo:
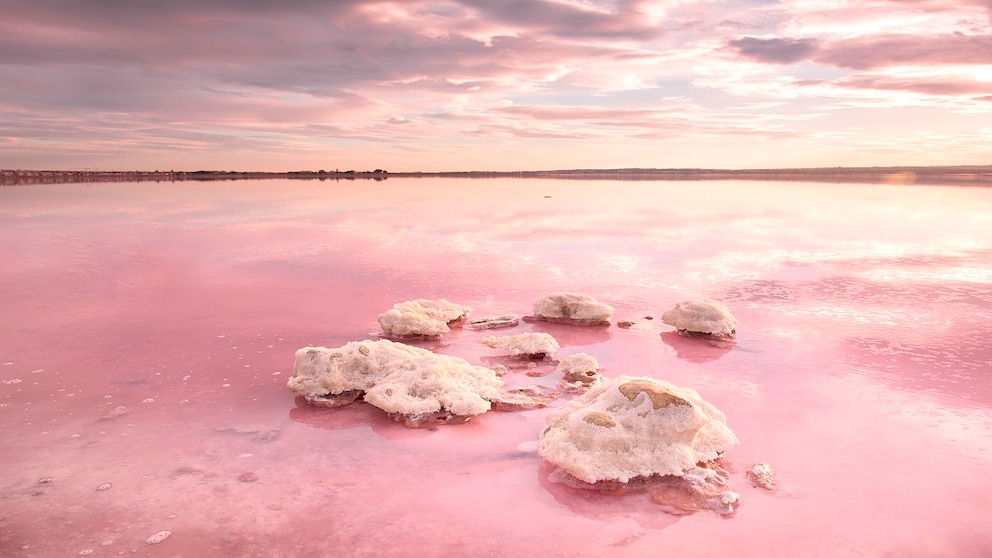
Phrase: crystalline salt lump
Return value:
(634, 427)
(421, 318)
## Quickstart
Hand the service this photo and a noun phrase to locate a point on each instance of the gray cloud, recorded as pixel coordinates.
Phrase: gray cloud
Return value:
(774, 51)
(563, 20)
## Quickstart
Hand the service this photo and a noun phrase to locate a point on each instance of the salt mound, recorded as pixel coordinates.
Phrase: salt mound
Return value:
(633, 427)
(572, 308)
(421, 318)
(529, 344)
(579, 370)
(702, 316)
(407, 382)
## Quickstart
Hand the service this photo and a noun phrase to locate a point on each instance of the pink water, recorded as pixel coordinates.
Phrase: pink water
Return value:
(147, 332)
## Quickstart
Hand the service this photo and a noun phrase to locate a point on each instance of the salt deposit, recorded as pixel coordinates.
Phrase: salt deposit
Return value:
(158, 537)
(572, 308)
(760, 475)
(707, 316)
(414, 385)
(634, 426)
(421, 318)
(635, 433)
(525, 344)
(727, 503)
(494, 323)
(579, 370)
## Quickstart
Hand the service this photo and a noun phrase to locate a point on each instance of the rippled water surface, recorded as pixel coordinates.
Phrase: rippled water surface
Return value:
(147, 332)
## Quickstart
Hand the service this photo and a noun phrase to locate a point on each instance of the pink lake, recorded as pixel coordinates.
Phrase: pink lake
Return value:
(147, 332)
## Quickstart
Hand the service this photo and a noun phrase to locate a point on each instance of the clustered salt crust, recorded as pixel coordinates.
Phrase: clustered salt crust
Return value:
(395, 377)
(574, 307)
(702, 316)
(421, 317)
(524, 344)
(634, 427)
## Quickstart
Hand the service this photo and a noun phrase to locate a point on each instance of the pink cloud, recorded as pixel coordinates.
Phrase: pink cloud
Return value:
(558, 113)
(929, 86)
(864, 53)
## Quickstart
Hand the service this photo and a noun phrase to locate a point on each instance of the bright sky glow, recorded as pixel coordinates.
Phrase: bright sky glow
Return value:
(446, 85)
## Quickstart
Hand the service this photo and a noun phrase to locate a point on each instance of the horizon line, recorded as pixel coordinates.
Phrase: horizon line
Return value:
(839, 168)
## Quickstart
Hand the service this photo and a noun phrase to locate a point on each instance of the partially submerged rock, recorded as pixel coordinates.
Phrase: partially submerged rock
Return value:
(413, 385)
(571, 308)
(579, 371)
(422, 318)
(706, 317)
(533, 345)
(639, 433)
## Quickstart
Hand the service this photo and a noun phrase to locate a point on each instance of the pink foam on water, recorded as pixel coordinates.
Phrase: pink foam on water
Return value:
(147, 332)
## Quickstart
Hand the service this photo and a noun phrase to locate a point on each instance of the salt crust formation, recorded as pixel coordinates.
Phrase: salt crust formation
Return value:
(525, 344)
(421, 318)
(579, 370)
(403, 380)
(702, 316)
(636, 427)
(760, 475)
(572, 308)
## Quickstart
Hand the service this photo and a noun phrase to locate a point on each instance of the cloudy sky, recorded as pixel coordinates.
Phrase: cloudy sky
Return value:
(493, 84)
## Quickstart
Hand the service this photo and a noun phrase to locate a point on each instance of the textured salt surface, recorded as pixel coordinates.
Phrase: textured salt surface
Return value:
(860, 372)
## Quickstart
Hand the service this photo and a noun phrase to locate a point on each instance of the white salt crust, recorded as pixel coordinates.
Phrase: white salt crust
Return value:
(421, 317)
(634, 427)
(524, 344)
(573, 306)
(578, 363)
(702, 316)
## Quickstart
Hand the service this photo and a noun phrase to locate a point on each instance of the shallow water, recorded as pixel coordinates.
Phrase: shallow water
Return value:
(147, 332)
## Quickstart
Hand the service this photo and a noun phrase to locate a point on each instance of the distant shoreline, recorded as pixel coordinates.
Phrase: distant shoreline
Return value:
(978, 175)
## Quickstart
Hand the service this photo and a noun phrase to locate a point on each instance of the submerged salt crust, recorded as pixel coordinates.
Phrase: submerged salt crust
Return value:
(421, 317)
(634, 427)
(573, 307)
(702, 316)
(396, 378)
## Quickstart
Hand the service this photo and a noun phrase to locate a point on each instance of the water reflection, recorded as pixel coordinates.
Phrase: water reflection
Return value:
(637, 508)
(697, 349)
(864, 311)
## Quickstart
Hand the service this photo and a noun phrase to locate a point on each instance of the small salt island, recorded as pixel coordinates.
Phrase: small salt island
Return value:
(705, 317)
(640, 433)
(579, 371)
(529, 345)
(571, 308)
(422, 318)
